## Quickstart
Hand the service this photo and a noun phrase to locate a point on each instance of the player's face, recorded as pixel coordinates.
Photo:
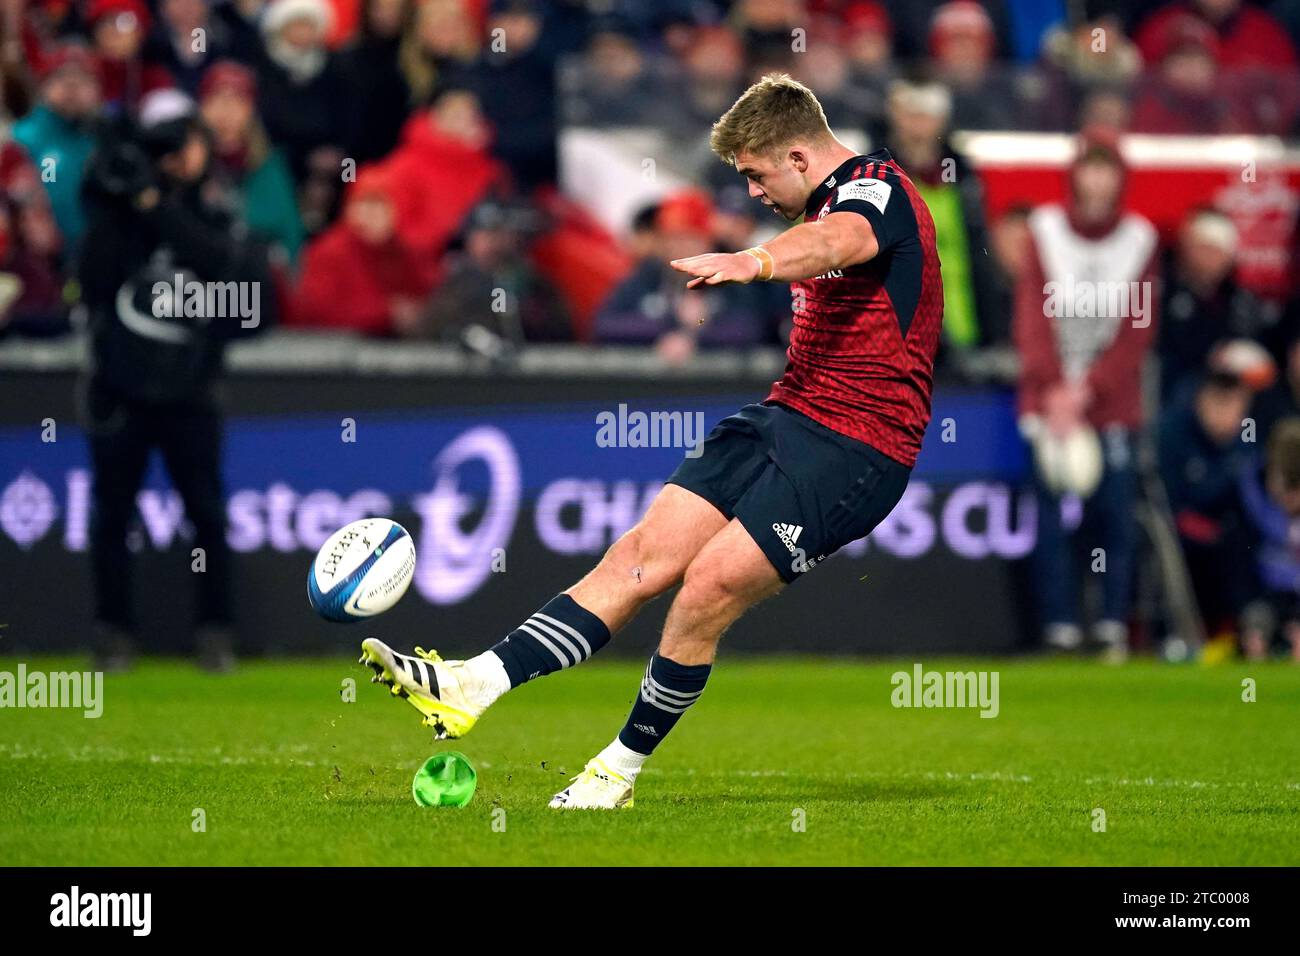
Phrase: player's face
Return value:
(778, 182)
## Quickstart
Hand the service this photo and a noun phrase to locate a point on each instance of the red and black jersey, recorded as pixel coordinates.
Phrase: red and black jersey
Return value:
(861, 357)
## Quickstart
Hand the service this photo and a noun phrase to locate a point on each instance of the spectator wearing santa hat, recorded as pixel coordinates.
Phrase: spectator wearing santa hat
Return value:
(303, 94)
(58, 134)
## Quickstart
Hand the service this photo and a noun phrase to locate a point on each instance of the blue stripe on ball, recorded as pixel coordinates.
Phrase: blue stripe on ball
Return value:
(332, 604)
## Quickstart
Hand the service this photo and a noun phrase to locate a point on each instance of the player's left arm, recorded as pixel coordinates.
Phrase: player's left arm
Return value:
(809, 249)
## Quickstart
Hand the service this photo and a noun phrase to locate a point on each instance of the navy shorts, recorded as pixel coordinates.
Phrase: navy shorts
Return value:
(801, 490)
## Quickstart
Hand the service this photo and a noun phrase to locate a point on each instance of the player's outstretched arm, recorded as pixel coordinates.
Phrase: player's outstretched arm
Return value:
(810, 249)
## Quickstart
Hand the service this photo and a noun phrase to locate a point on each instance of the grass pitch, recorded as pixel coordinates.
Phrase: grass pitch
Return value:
(287, 772)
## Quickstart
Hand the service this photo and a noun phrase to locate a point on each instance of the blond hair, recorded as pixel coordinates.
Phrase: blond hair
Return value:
(773, 113)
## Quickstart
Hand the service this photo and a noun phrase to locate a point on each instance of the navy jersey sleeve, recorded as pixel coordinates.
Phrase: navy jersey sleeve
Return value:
(884, 204)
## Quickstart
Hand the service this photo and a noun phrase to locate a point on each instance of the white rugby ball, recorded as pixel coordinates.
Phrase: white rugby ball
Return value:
(362, 570)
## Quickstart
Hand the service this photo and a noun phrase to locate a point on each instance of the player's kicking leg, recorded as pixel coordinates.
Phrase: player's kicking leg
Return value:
(572, 626)
(729, 575)
(796, 492)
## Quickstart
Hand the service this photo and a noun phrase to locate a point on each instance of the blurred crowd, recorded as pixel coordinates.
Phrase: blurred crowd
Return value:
(1098, 306)
(397, 161)
(401, 155)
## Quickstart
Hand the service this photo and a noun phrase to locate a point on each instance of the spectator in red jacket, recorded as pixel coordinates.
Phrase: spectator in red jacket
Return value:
(1084, 323)
(359, 274)
(441, 170)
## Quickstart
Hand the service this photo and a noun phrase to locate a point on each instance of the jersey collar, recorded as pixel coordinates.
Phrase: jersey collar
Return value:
(841, 176)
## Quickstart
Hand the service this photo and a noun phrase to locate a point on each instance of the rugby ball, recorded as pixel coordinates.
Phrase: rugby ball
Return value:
(362, 570)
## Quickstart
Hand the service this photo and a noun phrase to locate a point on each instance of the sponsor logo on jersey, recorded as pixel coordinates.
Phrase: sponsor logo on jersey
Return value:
(874, 191)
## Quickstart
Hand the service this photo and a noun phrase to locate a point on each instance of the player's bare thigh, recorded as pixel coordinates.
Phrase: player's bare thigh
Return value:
(729, 575)
(650, 558)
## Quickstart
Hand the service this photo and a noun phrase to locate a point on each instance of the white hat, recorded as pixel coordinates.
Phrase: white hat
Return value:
(932, 99)
(1215, 228)
(164, 106)
(282, 12)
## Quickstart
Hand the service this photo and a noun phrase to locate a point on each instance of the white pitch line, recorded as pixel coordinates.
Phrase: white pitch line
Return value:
(283, 757)
(995, 776)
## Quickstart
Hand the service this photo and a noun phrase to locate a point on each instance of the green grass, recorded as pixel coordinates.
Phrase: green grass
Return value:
(288, 773)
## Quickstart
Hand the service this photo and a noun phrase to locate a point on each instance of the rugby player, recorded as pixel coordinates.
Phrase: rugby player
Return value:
(782, 484)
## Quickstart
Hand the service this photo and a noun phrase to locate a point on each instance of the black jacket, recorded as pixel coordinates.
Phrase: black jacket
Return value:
(148, 343)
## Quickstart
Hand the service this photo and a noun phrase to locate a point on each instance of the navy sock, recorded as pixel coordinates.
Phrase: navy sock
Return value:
(667, 689)
(561, 634)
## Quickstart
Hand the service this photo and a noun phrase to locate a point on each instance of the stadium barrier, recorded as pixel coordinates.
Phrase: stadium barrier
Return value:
(503, 479)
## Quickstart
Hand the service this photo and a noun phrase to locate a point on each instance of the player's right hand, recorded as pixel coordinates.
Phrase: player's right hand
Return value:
(716, 268)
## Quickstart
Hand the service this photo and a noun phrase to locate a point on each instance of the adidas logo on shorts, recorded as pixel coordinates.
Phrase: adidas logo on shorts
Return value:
(789, 534)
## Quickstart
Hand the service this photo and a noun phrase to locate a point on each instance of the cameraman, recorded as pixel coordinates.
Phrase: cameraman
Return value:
(155, 353)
